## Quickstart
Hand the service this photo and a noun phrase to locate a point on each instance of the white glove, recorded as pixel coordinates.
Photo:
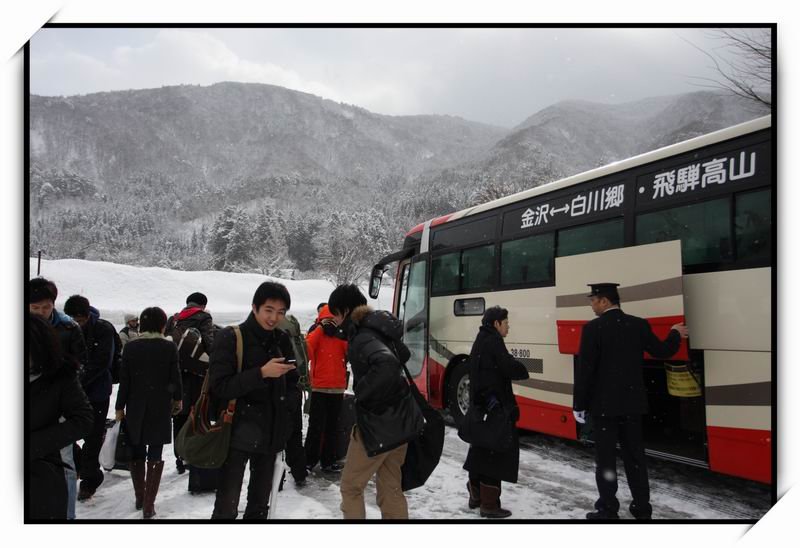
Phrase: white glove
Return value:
(580, 416)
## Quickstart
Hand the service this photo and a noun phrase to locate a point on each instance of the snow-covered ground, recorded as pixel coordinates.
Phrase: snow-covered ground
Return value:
(556, 476)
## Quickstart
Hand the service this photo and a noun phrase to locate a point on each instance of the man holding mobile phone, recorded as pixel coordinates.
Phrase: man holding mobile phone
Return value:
(261, 422)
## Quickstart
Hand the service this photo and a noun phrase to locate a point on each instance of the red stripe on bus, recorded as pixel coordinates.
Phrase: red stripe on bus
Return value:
(569, 335)
(435, 222)
(741, 452)
(547, 418)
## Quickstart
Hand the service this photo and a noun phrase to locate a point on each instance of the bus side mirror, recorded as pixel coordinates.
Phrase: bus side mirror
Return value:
(375, 281)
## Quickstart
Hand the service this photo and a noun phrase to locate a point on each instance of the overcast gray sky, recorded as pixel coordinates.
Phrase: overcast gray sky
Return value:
(497, 76)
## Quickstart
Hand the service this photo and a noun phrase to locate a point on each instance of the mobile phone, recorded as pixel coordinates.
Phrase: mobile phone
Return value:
(292, 361)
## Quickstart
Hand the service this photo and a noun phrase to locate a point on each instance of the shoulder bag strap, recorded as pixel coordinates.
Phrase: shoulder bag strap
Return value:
(239, 357)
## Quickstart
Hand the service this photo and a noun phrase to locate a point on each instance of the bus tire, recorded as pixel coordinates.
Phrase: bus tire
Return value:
(458, 392)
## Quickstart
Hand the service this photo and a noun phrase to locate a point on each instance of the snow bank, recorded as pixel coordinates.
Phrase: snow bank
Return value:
(117, 289)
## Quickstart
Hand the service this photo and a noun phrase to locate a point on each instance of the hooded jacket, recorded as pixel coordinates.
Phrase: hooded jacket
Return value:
(328, 356)
(70, 337)
(376, 355)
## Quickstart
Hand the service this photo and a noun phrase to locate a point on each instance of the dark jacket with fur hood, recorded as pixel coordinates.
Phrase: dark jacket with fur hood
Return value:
(376, 355)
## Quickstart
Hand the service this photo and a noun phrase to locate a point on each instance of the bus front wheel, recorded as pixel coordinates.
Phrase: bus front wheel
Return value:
(458, 392)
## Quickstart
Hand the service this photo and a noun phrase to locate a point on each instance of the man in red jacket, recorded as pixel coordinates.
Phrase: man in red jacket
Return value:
(327, 354)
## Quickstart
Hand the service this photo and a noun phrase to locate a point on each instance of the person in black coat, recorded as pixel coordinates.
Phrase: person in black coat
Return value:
(194, 315)
(100, 337)
(492, 369)
(42, 296)
(376, 356)
(610, 386)
(149, 393)
(54, 392)
(261, 422)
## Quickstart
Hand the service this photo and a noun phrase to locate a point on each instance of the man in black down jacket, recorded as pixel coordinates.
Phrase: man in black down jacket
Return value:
(100, 337)
(376, 355)
(261, 422)
(609, 384)
(194, 315)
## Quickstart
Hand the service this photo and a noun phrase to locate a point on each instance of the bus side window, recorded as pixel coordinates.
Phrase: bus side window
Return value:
(754, 226)
(477, 267)
(527, 260)
(592, 237)
(444, 273)
(703, 228)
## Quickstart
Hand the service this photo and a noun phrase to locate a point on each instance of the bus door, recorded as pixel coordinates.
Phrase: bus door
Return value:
(651, 287)
(411, 307)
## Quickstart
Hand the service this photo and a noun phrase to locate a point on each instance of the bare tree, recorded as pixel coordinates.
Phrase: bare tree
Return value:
(743, 62)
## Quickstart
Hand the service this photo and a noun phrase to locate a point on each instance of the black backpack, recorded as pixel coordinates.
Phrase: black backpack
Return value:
(190, 348)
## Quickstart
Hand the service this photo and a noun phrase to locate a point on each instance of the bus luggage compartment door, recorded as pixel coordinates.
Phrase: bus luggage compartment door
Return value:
(651, 287)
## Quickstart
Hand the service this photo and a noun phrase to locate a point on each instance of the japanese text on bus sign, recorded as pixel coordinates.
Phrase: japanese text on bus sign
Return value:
(721, 169)
(601, 199)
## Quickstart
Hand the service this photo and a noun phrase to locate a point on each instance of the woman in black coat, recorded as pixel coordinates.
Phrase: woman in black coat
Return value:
(149, 393)
(54, 392)
(492, 369)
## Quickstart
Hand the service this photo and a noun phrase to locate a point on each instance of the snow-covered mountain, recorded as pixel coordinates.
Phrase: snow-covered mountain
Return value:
(143, 177)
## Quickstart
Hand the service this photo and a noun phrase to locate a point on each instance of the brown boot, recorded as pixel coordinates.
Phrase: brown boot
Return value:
(490, 502)
(474, 489)
(151, 483)
(137, 476)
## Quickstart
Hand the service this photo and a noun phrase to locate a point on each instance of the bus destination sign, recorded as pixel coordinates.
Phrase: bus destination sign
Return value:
(555, 212)
(688, 180)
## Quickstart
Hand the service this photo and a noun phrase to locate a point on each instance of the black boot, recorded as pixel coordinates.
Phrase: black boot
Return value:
(490, 502)
(474, 489)
(641, 511)
(180, 466)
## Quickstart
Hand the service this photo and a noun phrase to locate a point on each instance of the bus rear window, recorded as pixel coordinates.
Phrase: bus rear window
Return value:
(703, 228)
(590, 238)
(754, 226)
(528, 260)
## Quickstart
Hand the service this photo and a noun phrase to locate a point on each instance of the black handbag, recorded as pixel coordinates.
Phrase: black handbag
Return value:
(201, 443)
(488, 428)
(424, 452)
(486, 425)
(385, 429)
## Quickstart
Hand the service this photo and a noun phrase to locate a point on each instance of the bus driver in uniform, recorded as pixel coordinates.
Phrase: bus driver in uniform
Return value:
(609, 384)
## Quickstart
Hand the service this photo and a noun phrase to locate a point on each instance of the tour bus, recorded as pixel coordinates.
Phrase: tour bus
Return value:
(687, 232)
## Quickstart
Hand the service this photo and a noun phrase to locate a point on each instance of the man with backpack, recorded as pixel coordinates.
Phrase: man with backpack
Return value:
(261, 424)
(295, 386)
(192, 330)
(104, 358)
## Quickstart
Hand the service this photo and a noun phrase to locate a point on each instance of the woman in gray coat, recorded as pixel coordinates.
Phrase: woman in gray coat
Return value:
(149, 393)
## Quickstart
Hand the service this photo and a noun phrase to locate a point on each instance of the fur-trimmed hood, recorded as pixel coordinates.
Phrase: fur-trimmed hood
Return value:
(381, 321)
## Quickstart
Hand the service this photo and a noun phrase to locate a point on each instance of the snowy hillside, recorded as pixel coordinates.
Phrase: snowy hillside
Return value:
(117, 289)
